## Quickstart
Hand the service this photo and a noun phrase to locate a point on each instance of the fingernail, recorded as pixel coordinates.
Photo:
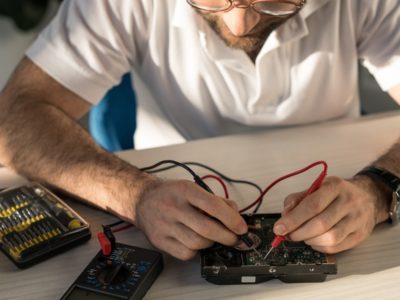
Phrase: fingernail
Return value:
(280, 229)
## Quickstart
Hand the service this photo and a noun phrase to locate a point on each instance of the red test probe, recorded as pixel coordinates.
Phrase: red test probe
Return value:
(314, 186)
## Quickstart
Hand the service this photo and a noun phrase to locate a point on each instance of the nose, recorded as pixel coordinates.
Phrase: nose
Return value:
(241, 21)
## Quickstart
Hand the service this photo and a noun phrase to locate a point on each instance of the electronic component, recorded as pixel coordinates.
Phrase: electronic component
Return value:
(250, 241)
(126, 274)
(291, 262)
(36, 224)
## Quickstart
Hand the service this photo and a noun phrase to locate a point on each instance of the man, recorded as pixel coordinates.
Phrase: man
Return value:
(214, 67)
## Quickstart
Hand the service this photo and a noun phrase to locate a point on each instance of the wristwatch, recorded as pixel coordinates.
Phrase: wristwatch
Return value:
(391, 181)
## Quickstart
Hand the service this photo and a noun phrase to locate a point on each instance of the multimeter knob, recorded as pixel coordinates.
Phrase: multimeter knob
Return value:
(113, 274)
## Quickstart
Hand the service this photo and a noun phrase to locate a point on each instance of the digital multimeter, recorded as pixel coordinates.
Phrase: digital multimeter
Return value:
(126, 274)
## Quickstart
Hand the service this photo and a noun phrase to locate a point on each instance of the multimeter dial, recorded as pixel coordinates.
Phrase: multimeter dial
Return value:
(126, 274)
(114, 274)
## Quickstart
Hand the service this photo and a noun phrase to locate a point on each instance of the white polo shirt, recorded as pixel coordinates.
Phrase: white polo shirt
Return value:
(306, 71)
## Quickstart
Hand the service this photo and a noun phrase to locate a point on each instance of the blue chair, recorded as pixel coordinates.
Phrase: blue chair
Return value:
(112, 122)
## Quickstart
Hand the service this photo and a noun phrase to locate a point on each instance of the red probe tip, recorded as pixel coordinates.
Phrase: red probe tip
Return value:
(277, 241)
(104, 243)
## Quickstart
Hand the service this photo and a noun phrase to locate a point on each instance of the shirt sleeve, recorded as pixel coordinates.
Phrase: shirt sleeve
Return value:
(378, 39)
(91, 44)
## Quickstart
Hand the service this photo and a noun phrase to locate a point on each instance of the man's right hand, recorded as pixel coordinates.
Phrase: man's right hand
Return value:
(180, 218)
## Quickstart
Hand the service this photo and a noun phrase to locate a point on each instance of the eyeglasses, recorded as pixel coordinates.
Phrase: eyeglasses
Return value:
(277, 8)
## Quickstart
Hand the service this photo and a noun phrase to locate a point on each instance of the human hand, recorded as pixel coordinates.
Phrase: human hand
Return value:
(336, 217)
(177, 217)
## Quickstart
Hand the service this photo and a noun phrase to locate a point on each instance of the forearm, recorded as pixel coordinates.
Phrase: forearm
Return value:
(391, 159)
(42, 143)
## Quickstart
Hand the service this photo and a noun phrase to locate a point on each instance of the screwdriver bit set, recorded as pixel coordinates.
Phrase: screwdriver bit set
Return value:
(36, 224)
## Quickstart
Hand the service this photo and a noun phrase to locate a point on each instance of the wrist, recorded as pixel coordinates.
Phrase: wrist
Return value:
(136, 188)
(117, 188)
(380, 193)
(148, 184)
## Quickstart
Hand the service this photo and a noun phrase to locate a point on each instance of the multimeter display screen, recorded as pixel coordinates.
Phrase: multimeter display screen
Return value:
(82, 294)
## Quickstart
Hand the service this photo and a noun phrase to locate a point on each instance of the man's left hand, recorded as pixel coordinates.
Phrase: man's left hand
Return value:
(336, 217)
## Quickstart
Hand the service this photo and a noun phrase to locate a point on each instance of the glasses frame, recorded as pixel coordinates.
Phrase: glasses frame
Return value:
(235, 4)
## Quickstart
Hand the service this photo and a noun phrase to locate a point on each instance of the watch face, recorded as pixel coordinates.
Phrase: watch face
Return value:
(395, 208)
(398, 212)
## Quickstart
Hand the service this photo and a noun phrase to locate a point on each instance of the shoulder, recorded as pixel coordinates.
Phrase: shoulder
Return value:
(368, 11)
(118, 8)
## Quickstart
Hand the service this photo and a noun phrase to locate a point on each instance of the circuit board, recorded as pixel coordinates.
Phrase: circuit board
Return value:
(290, 262)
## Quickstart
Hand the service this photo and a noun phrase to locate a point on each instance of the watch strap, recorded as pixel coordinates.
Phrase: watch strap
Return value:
(393, 183)
(389, 179)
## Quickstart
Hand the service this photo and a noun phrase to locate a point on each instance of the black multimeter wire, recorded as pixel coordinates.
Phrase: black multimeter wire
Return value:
(197, 179)
(115, 224)
(257, 207)
(168, 161)
(223, 176)
(230, 180)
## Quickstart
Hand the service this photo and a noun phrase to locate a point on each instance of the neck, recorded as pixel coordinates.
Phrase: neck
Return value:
(253, 53)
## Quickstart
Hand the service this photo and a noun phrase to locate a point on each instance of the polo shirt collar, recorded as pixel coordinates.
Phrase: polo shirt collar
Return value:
(294, 29)
(311, 7)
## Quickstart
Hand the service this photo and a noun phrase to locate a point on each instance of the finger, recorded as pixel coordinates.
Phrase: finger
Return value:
(334, 236)
(207, 227)
(232, 204)
(189, 238)
(309, 207)
(291, 202)
(323, 222)
(219, 209)
(352, 240)
(175, 248)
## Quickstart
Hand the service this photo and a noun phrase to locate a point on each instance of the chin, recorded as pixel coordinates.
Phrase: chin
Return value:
(247, 43)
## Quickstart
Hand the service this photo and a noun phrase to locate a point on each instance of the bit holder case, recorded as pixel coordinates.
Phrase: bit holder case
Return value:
(35, 224)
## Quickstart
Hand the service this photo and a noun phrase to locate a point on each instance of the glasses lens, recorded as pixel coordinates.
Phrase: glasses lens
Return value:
(275, 8)
(211, 5)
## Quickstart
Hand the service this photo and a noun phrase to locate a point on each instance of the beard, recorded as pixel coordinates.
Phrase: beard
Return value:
(252, 42)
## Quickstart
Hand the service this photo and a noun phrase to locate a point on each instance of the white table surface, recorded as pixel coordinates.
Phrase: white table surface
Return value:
(371, 271)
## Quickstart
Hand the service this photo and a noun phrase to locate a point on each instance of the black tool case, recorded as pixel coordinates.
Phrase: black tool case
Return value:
(35, 224)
